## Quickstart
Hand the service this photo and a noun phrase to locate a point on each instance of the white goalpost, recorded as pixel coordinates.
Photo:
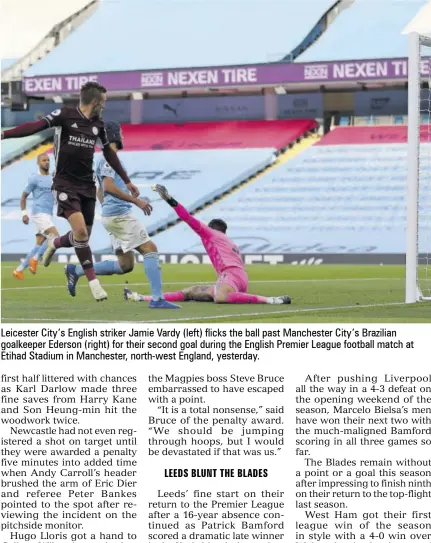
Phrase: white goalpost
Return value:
(418, 250)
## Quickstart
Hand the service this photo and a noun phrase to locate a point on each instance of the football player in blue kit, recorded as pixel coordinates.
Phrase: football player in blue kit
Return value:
(39, 185)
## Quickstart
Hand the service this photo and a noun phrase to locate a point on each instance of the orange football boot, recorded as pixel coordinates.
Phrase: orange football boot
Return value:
(32, 265)
(18, 274)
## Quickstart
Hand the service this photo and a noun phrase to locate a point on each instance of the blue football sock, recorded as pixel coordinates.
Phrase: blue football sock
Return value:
(105, 267)
(41, 250)
(154, 274)
(24, 264)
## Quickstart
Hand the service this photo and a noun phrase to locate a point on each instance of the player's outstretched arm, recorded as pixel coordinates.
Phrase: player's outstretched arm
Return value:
(113, 160)
(198, 226)
(110, 187)
(26, 129)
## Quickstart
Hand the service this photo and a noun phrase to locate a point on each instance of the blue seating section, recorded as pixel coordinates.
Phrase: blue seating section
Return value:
(381, 21)
(195, 177)
(11, 149)
(330, 199)
(154, 34)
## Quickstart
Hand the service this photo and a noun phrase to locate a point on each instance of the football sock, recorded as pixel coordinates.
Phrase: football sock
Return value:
(66, 240)
(241, 298)
(24, 264)
(85, 257)
(106, 267)
(41, 250)
(174, 296)
(154, 274)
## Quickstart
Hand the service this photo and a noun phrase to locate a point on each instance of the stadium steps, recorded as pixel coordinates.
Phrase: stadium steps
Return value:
(44, 148)
(309, 139)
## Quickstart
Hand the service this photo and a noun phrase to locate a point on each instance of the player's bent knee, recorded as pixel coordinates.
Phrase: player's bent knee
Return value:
(127, 267)
(188, 294)
(80, 233)
(126, 261)
(220, 298)
(149, 247)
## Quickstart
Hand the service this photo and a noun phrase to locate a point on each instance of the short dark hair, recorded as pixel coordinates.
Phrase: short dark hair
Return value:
(218, 224)
(91, 91)
(39, 157)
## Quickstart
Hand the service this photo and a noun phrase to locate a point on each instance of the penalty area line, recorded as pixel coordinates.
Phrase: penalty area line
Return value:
(216, 317)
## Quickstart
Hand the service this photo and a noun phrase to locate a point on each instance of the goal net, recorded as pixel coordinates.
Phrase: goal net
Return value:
(418, 254)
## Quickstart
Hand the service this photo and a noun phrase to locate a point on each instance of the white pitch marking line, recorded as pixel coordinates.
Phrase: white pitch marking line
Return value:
(108, 285)
(234, 316)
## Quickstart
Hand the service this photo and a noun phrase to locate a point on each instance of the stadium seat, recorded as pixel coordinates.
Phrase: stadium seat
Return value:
(148, 35)
(215, 135)
(344, 38)
(344, 195)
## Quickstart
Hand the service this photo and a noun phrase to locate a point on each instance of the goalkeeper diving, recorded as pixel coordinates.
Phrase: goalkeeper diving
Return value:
(232, 283)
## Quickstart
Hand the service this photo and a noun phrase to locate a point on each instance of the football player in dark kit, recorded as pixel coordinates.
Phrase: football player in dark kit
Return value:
(77, 130)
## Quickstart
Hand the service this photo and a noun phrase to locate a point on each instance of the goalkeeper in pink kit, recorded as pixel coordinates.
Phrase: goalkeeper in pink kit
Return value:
(232, 283)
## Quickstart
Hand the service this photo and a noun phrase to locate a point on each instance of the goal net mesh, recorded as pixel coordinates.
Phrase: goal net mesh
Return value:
(424, 195)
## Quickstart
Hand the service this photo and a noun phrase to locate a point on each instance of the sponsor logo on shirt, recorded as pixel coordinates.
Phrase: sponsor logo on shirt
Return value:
(82, 141)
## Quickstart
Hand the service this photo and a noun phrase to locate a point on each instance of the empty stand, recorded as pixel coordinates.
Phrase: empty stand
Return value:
(199, 162)
(215, 135)
(344, 195)
(160, 34)
(380, 21)
(369, 134)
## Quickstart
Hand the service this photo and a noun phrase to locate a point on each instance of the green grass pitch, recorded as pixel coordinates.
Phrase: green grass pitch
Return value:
(320, 294)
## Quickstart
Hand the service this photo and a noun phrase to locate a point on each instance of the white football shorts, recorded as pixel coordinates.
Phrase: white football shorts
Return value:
(125, 231)
(42, 221)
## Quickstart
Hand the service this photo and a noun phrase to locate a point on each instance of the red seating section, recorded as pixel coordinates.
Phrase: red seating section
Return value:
(214, 135)
(349, 135)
